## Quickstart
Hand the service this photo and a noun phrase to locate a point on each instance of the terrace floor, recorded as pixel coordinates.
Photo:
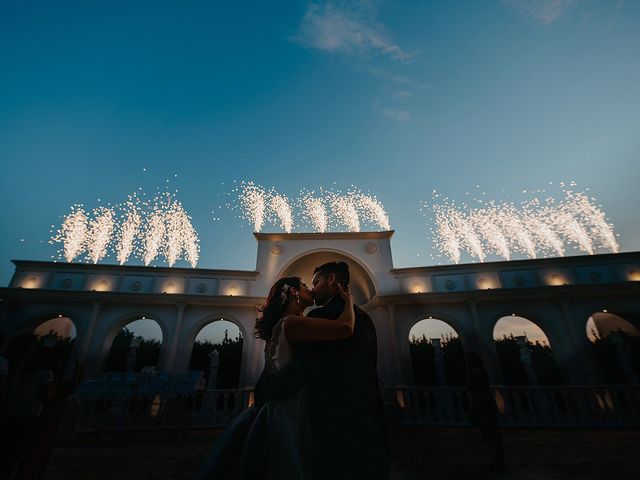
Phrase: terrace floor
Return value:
(417, 453)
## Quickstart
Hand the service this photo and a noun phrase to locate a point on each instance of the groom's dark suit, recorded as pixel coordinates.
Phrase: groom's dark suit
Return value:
(349, 432)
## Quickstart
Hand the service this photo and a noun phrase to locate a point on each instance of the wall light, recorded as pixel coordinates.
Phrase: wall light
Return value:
(416, 287)
(31, 282)
(556, 279)
(634, 275)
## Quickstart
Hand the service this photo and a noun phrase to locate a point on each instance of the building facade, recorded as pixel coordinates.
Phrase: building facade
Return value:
(557, 294)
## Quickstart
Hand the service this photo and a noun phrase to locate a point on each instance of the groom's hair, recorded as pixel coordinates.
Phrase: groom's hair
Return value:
(339, 269)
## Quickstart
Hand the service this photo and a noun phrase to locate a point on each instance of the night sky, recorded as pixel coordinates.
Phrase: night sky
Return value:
(101, 99)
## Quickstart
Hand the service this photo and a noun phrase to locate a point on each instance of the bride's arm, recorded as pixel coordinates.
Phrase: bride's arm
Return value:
(309, 329)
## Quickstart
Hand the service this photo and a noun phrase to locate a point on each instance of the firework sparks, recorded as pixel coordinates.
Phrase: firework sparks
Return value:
(127, 232)
(279, 205)
(373, 210)
(253, 200)
(537, 228)
(99, 233)
(73, 233)
(329, 207)
(315, 210)
(447, 239)
(153, 236)
(344, 211)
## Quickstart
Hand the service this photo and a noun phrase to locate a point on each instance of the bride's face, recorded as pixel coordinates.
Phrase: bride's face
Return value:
(306, 298)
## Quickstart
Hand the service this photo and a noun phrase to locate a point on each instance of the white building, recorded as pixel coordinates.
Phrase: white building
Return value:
(557, 294)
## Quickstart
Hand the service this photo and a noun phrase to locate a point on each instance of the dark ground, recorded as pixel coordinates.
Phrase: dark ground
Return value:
(417, 453)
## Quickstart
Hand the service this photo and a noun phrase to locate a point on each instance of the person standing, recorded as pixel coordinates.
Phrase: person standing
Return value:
(30, 387)
(340, 379)
(484, 414)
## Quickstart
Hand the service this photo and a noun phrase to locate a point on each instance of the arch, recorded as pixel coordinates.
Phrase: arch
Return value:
(434, 362)
(123, 321)
(529, 328)
(33, 321)
(534, 317)
(434, 315)
(190, 337)
(604, 323)
(230, 359)
(362, 284)
(62, 326)
(616, 344)
(526, 358)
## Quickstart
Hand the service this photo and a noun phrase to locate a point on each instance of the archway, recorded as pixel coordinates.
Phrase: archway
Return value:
(616, 344)
(524, 352)
(136, 346)
(436, 353)
(222, 370)
(57, 337)
(361, 285)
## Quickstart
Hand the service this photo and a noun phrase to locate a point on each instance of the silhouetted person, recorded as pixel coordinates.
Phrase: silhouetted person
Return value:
(484, 414)
(340, 378)
(53, 414)
(4, 369)
(30, 387)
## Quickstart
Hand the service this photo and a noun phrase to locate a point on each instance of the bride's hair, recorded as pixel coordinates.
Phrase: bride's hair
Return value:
(273, 310)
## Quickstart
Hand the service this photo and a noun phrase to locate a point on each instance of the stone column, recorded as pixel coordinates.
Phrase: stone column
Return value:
(392, 374)
(214, 364)
(577, 361)
(484, 347)
(170, 358)
(84, 355)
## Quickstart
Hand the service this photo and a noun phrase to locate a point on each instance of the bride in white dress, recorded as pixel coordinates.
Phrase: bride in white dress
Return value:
(272, 439)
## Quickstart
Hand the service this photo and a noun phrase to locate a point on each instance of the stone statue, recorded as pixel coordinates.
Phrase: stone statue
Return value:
(438, 362)
(526, 361)
(214, 363)
(132, 354)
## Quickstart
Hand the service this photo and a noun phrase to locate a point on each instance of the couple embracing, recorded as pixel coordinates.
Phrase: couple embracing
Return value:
(318, 412)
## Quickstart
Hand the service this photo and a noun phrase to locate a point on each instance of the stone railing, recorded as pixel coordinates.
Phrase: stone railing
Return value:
(108, 412)
(574, 405)
(542, 406)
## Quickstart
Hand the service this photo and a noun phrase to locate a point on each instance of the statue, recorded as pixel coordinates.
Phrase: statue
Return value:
(526, 361)
(438, 362)
(132, 354)
(214, 363)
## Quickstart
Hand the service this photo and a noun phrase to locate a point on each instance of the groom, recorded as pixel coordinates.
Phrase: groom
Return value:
(349, 432)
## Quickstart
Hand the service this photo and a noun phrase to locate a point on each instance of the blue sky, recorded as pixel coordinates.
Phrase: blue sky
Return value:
(398, 98)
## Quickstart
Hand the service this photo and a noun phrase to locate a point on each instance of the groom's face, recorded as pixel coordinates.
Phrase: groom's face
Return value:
(321, 288)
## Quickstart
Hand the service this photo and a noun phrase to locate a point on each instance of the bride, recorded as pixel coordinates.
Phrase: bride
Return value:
(272, 439)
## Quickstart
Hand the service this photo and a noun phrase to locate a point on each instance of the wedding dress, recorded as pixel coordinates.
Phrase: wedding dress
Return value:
(271, 443)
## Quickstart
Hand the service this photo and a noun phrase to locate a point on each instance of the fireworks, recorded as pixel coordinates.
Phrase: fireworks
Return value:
(253, 200)
(127, 232)
(321, 211)
(72, 234)
(344, 211)
(535, 228)
(99, 233)
(315, 211)
(280, 207)
(144, 229)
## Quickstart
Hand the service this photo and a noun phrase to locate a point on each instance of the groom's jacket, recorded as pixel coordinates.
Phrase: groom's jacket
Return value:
(343, 398)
